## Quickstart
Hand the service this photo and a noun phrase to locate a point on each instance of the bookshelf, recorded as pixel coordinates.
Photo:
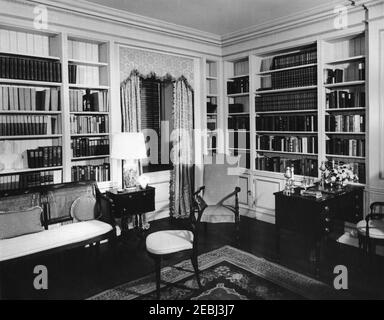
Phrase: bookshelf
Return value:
(212, 97)
(89, 109)
(286, 111)
(345, 102)
(31, 113)
(54, 109)
(238, 109)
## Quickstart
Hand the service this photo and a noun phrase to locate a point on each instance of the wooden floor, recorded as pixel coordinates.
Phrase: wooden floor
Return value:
(80, 274)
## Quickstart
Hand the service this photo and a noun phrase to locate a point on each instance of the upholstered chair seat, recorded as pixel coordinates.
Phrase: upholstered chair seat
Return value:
(218, 214)
(164, 243)
(169, 241)
(376, 228)
(371, 230)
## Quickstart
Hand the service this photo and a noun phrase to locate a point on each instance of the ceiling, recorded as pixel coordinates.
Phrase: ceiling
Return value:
(215, 16)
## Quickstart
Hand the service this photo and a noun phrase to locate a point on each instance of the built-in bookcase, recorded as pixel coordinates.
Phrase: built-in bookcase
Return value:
(31, 144)
(345, 102)
(88, 78)
(54, 109)
(286, 110)
(212, 97)
(238, 109)
(301, 106)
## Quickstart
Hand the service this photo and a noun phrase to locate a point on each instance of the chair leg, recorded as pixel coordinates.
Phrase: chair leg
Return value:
(237, 229)
(195, 265)
(158, 275)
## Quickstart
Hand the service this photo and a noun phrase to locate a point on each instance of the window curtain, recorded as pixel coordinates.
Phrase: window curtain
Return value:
(130, 103)
(131, 122)
(181, 183)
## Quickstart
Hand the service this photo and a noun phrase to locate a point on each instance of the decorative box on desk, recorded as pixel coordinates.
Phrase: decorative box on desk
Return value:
(315, 218)
(134, 203)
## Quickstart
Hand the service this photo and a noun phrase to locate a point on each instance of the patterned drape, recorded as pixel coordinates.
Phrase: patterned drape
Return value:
(182, 151)
(130, 103)
(131, 122)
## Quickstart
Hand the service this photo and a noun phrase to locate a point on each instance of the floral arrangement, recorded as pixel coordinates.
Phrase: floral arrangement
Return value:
(339, 174)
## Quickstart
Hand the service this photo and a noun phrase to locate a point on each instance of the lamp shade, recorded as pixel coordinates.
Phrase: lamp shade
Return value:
(128, 146)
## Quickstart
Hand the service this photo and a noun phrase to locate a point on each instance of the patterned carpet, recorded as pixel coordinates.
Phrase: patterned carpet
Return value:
(226, 274)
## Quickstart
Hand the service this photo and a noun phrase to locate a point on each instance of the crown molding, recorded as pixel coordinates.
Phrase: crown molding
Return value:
(306, 17)
(84, 7)
(319, 13)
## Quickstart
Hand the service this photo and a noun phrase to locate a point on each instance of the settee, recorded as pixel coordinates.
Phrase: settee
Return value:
(47, 219)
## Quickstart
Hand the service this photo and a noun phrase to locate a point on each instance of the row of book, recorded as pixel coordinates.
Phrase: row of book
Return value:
(346, 147)
(211, 86)
(287, 144)
(98, 173)
(24, 43)
(21, 68)
(85, 147)
(43, 157)
(354, 72)
(28, 180)
(240, 67)
(304, 100)
(305, 167)
(84, 51)
(236, 108)
(29, 99)
(345, 123)
(343, 48)
(289, 60)
(289, 79)
(88, 75)
(305, 123)
(87, 100)
(88, 124)
(238, 122)
(238, 85)
(339, 99)
(17, 125)
(211, 69)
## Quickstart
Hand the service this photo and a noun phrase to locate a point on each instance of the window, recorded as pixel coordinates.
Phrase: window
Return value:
(157, 123)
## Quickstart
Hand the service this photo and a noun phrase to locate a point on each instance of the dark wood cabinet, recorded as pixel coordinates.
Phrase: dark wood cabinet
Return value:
(316, 219)
(132, 203)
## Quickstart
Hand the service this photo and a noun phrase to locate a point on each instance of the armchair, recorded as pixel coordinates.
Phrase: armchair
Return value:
(220, 195)
(371, 230)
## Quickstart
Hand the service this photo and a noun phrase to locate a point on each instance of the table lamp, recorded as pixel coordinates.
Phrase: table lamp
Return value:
(130, 148)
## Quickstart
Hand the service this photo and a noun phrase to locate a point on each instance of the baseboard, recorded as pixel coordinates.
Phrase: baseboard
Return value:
(253, 214)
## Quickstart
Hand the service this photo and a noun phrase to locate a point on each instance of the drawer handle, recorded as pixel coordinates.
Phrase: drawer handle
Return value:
(144, 194)
(326, 230)
(327, 220)
(326, 208)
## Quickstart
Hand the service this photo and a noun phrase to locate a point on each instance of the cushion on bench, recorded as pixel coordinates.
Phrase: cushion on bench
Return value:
(21, 222)
(51, 239)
